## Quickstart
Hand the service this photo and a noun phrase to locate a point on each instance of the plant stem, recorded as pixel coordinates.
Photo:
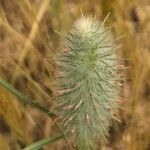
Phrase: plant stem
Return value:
(39, 144)
(25, 99)
(22, 98)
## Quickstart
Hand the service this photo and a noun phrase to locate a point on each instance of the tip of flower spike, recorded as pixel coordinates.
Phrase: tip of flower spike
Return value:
(84, 25)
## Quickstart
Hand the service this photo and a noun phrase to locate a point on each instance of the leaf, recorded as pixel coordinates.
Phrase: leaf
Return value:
(39, 144)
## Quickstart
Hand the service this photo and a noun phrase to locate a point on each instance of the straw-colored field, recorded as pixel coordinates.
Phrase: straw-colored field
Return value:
(28, 45)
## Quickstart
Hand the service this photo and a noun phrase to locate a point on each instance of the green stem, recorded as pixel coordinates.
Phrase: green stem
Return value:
(39, 144)
(25, 99)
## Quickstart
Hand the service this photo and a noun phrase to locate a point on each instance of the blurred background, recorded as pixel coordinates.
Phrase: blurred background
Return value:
(28, 46)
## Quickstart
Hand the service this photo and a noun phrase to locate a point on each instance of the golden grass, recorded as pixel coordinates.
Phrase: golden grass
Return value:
(34, 29)
(28, 45)
(13, 121)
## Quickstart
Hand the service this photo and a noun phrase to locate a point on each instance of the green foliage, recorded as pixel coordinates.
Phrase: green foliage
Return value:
(89, 75)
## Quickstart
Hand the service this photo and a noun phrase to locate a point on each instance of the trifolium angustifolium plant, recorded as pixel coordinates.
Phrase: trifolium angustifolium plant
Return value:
(89, 76)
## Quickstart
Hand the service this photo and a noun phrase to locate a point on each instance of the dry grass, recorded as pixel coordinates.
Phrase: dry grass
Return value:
(28, 45)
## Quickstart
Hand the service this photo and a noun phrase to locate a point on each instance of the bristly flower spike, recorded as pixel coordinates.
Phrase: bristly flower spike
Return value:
(88, 69)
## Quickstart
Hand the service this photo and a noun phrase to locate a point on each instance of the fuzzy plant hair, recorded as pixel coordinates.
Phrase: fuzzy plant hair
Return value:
(88, 79)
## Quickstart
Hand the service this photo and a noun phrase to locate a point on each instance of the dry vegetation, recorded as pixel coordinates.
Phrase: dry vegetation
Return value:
(28, 45)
